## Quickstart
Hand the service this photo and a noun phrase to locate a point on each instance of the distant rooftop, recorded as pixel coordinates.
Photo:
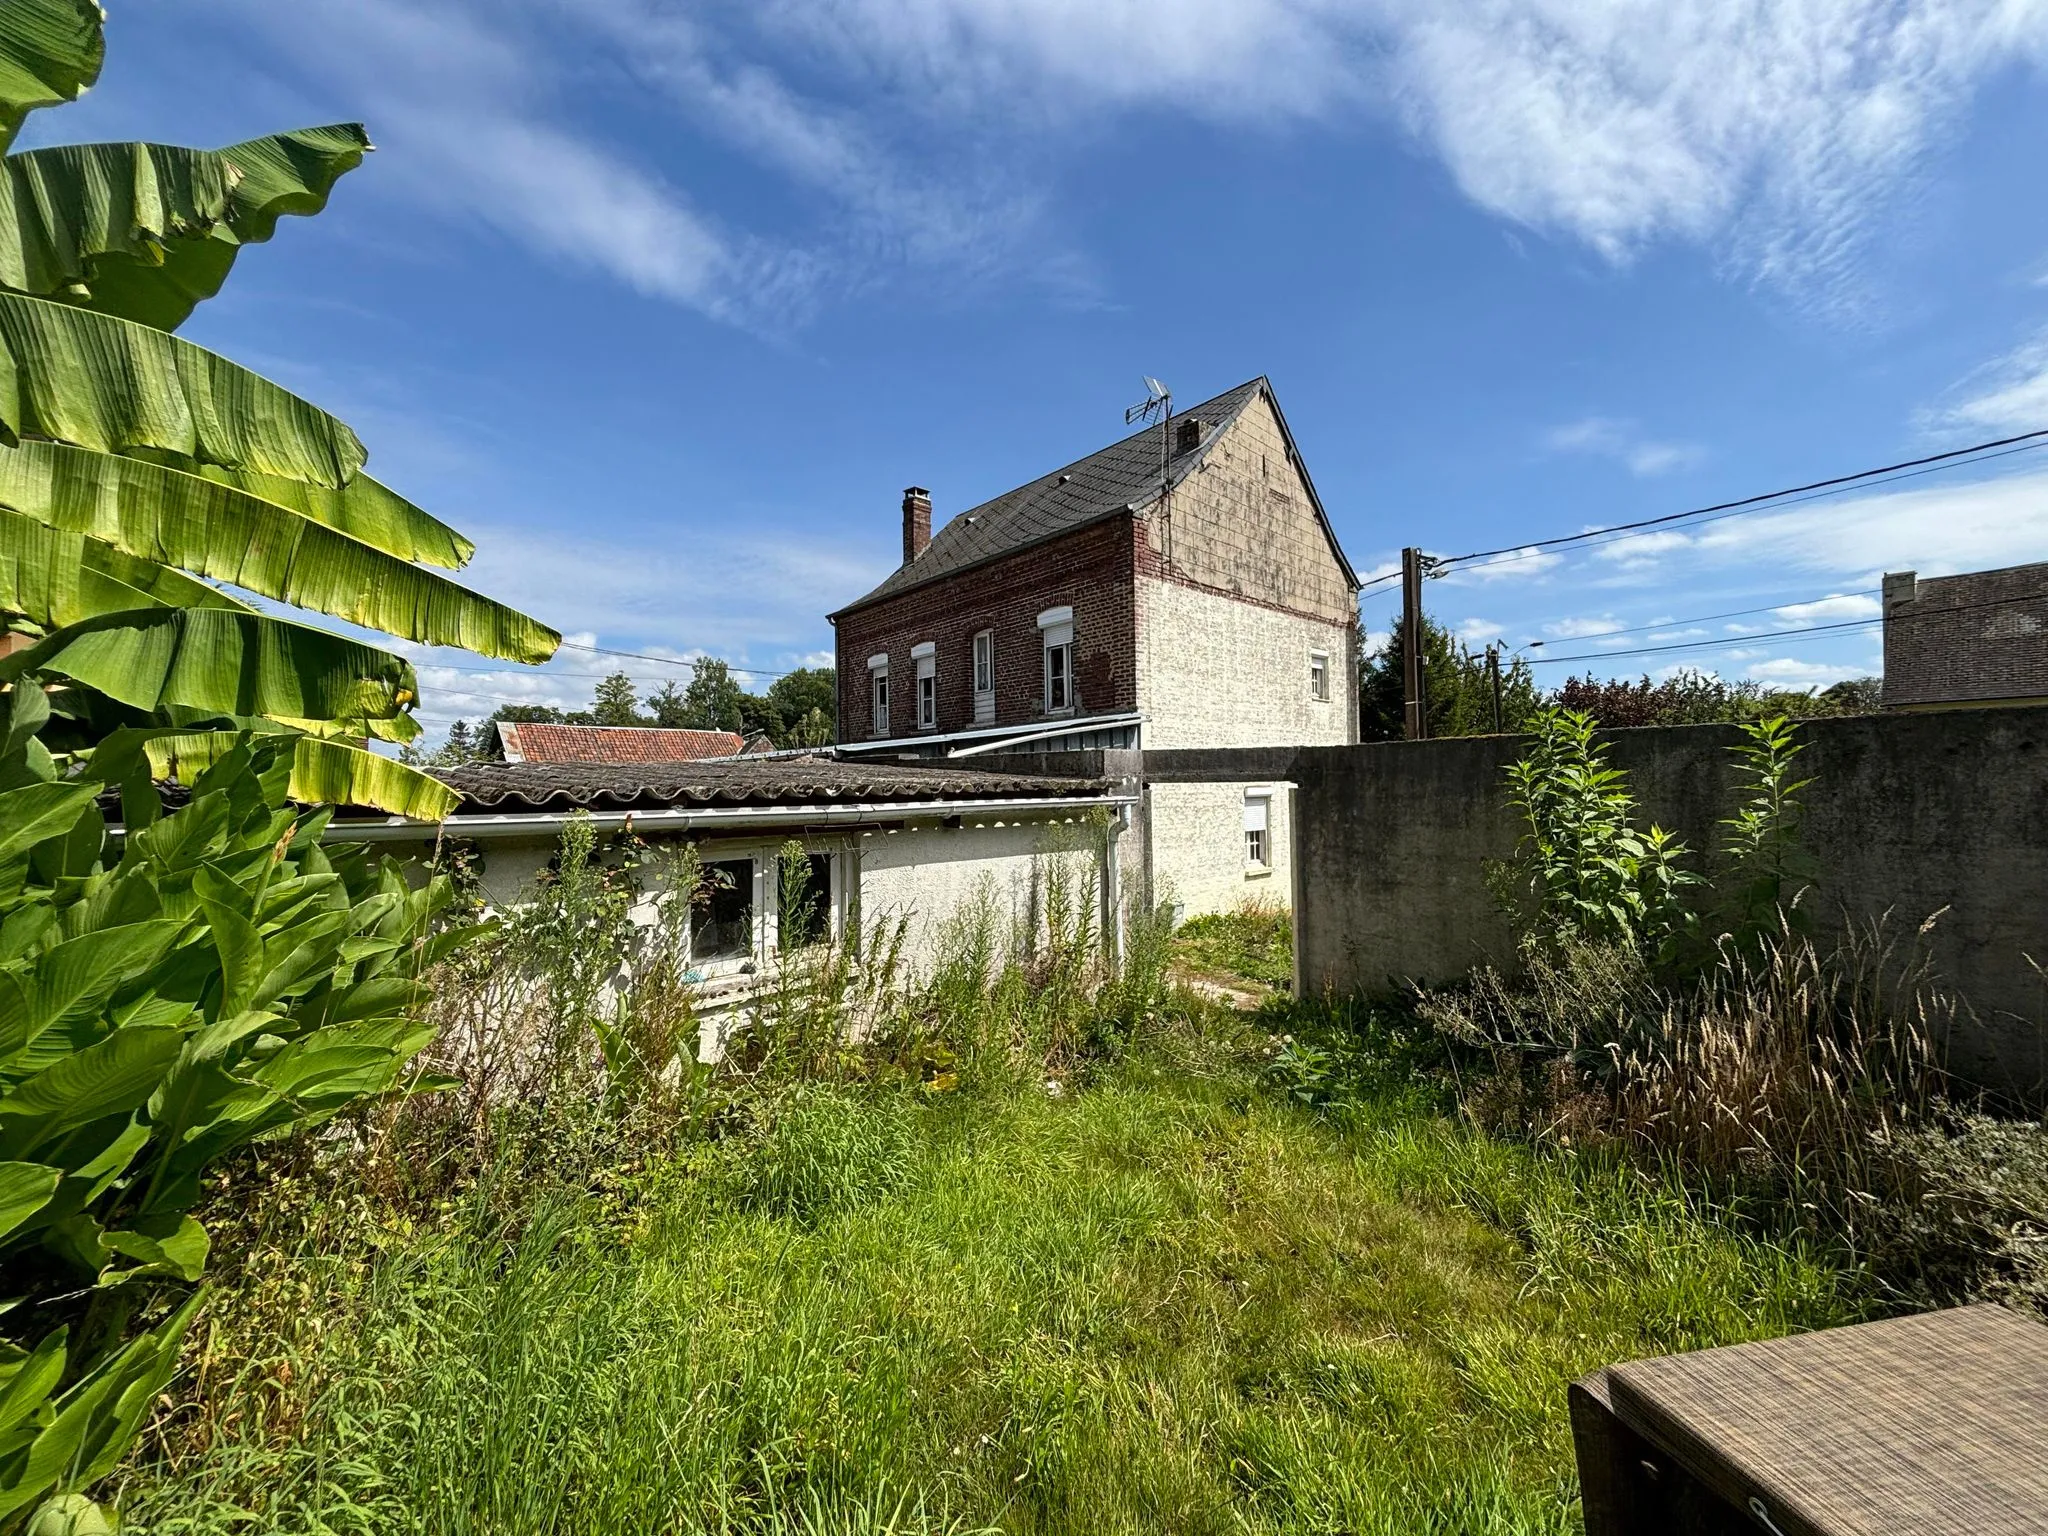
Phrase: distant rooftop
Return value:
(530, 742)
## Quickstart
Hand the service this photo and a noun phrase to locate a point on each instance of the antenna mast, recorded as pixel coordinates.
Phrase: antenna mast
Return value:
(1158, 402)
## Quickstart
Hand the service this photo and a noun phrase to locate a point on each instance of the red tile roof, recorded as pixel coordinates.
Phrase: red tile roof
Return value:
(533, 743)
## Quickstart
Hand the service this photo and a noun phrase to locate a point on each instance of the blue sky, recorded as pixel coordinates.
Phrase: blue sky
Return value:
(664, 303)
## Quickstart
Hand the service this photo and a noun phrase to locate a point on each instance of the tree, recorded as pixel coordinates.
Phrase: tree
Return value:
(668, 707)
(1698, 698)
(1457, 689)
(712, 701)
(616, 702)
(797, 693)
(137, 470)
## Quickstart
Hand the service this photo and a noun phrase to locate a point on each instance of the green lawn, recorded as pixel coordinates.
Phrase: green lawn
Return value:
(1169, 1300)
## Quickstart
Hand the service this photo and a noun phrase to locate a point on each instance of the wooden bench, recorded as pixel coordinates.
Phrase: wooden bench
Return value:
(1919, 1426)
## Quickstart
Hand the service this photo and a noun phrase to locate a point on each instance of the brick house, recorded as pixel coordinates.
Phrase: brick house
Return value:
(1978, 638)
(1182, 587)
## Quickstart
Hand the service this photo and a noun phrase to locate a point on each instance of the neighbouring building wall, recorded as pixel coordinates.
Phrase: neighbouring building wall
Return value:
(1199, 850)
(1976, 638)
(1088, 570)
(1908, 815)
(1239, 588)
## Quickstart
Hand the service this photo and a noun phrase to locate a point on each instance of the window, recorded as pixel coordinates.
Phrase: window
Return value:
(925, 657)
(806, 900)
(1056, 625)
(878, 687)
(1258, 853)
(985, 677)
(1319, 675)
(722, 915)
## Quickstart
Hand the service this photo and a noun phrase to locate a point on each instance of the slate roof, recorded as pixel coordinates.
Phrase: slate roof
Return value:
(1105, 484)
(532, 742)
(820, 780)
(1976, 638)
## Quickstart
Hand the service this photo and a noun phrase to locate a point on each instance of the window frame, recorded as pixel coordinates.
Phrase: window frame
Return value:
(1319, 676)
(984, 676)
(878, 695)
(1258, 840)
(1056, 638)
(924, 703)
(729, 961)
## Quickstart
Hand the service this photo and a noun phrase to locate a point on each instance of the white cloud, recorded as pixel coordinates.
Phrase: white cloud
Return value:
(467, 106)
(1580, 629)
(1789, 673)
(1641, 548)
(2010, 395)
(1478, 631)
(1771, 127)
(1623, 442)
(1936, 530)
(1661, 635)
(1829, 610)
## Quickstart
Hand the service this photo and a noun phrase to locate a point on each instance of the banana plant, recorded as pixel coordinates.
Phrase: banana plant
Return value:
(210, 977)
(145, 482)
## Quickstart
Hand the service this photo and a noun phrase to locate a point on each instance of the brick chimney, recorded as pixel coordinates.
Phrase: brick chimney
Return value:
(917, 522)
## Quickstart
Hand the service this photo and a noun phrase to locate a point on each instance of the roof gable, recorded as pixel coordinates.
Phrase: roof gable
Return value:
(1121, 478)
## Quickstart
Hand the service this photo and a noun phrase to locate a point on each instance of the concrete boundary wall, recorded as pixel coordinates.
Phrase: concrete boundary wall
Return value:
(1907, 815)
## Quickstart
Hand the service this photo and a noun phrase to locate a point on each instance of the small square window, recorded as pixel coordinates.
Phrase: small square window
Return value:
(1258, 853)
(1319, 675)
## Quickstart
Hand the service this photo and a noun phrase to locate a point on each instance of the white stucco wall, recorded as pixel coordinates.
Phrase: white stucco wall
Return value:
(929, 874)
(1198, 847)
(1214, 671)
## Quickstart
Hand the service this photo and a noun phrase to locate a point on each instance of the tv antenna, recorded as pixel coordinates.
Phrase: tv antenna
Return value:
(1158, 398)
(1158, 402)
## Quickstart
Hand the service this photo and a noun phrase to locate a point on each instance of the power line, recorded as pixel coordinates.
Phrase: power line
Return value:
(677, 661)
(1708, 618)
(1780, 634)
(1758, 502)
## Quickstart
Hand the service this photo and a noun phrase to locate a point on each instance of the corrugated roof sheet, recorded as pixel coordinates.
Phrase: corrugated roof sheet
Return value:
(535, 742)
(821, 780)
(1123, 475)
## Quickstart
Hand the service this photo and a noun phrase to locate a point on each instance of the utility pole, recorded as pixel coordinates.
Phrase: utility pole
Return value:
(1493, 671)
(1415, 714)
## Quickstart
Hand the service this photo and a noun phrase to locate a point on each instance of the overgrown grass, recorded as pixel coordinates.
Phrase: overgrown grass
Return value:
(1172, 1297)
(1254, 941)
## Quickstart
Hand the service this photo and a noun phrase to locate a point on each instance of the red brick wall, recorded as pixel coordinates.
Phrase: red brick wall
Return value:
(1089, 570)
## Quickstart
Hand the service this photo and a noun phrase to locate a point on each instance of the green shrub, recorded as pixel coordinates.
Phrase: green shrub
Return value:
(214, 978)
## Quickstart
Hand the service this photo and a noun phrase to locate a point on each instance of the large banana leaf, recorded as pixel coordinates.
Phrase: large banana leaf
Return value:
(362, 509)
(286, 173)
(159, 514)
(53, 577)
(114, 385)
(220, 660)
(50, 51)
(324, 772)
(63, 209)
